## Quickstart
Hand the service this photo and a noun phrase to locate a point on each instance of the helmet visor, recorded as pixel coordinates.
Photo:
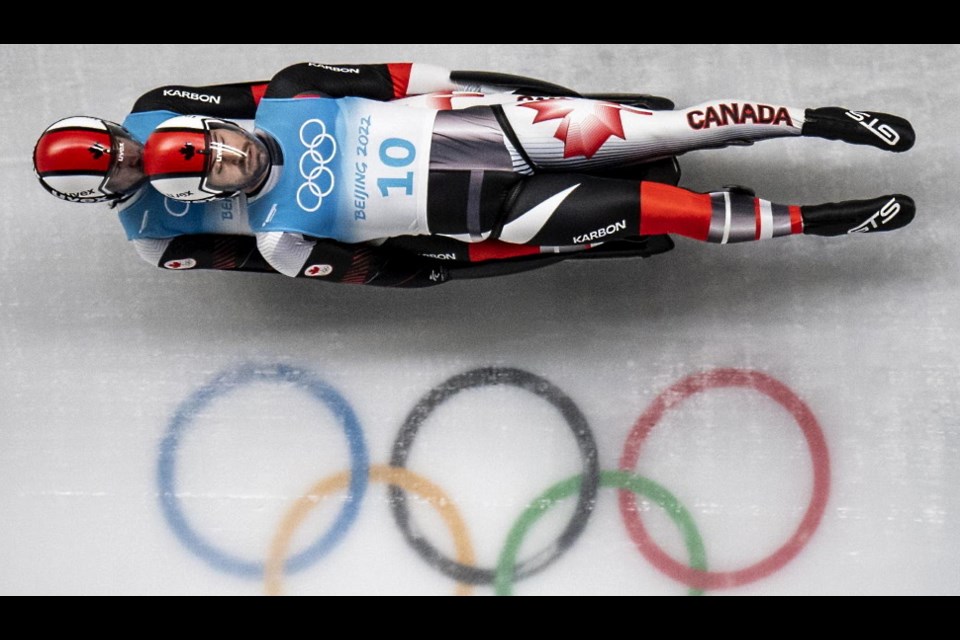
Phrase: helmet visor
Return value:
(126, 173)
(238, 161)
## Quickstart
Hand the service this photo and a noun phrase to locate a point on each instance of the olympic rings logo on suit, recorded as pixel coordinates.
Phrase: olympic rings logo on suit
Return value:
(585, 487)
(314, 166)
(167, 202)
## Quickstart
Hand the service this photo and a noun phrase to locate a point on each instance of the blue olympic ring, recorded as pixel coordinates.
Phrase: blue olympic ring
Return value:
(223, 384)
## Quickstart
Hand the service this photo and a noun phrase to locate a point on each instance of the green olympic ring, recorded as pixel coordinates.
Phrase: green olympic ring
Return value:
(609, 480)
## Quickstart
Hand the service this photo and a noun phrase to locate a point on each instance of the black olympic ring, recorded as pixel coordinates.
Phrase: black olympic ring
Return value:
(589, 453)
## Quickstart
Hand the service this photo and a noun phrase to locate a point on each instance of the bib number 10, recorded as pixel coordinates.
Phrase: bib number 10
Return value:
(398, 154)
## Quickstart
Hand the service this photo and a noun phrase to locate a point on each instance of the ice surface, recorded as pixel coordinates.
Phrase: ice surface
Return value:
(100, 356)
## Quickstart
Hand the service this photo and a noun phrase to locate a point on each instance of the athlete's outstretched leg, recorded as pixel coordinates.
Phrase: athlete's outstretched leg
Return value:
(574, 210)
(729, 217)
(573, 134)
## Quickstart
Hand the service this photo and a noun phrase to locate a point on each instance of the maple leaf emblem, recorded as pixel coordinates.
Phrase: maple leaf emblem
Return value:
(98, 151)
(586, 126)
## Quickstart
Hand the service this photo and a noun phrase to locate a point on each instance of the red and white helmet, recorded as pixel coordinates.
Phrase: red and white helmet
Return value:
(81, 159)
(182, 155)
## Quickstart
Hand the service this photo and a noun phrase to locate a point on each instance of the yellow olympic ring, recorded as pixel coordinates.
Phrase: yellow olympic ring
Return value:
(406, 480)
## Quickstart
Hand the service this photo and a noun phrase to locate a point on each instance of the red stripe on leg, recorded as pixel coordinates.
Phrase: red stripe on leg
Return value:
(496, 250)
(400, 74)
(666, 210)
(756, 207)
(796, 220)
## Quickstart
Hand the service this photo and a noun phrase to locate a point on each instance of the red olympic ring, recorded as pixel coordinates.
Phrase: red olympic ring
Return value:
(680, 393)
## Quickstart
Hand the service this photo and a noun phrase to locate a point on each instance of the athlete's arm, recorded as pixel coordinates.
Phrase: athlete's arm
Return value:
(494, 259)
(204, 252)
(397, 80)
(409, 265)
(330, 261)
(375, 81)
(487, 82)
(228, 101)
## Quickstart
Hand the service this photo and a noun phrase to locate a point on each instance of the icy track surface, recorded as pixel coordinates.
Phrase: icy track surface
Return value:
(786, 413)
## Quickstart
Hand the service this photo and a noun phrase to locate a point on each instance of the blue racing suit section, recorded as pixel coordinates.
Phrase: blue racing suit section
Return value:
(355, 170)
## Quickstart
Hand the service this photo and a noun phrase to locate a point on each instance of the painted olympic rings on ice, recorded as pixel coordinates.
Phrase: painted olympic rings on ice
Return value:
(610, 480)
(674, 397)
(406, 480)
(584, 487)
(228, 383)
(585, 441)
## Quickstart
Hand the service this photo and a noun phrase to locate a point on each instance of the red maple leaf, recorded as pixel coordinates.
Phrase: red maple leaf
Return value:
(175, 265)
(586, 126)
(313, 271)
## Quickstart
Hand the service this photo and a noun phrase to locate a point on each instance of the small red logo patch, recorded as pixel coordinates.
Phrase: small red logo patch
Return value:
(181, 265)
(319, 271)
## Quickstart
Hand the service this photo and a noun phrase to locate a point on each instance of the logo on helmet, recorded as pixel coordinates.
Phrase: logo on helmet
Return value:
(98, 151)
(188, 152)
(78, 196)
